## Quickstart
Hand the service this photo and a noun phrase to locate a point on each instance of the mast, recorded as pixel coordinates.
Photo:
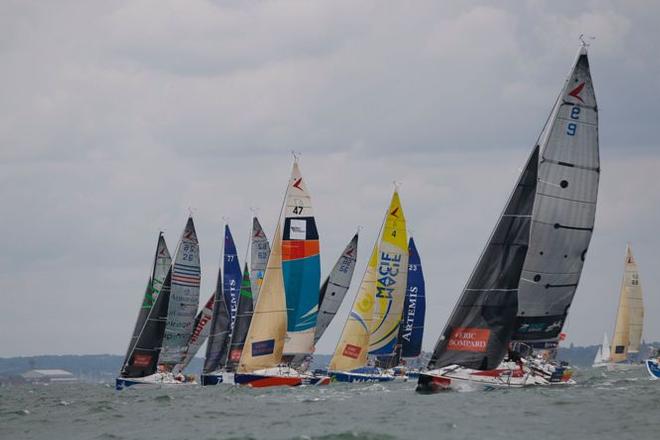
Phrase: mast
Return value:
(564, 210)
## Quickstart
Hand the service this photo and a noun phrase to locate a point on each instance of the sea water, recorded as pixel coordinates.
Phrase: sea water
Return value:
(604, 405)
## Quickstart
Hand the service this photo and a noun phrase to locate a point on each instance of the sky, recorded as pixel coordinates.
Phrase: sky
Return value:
(118, 117)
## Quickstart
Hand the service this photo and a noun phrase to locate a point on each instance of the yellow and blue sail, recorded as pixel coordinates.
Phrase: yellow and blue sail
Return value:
(391, 278)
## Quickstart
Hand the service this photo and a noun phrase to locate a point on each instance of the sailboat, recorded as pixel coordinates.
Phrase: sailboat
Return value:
(285, 314)
(331, 296)
(182, 310)
(525, 279)
(603, 354)
(629, 320)
(226, 305)
(411, 330)
(373, 324)
(144, 347)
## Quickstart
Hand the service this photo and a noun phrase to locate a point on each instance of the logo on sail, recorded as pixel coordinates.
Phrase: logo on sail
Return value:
(469, 339)
(575, 93)
(262, 348)
(297, 183)
(141, 360)
(352, 351)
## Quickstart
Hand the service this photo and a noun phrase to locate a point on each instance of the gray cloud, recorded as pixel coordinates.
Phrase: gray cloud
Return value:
(118, 116)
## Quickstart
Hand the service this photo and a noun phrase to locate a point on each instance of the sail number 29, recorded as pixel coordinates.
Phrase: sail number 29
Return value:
(571, 128)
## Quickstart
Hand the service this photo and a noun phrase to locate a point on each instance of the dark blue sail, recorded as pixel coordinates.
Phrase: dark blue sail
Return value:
(411, 330)
(231, 283)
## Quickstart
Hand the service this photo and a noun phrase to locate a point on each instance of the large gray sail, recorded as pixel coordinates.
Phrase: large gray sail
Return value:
(184, 299)
(142, 360)
(259, 252)
(480, 327)
(564, 211)
(161, 266)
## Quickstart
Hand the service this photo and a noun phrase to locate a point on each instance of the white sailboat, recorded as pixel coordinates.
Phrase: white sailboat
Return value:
(603, 354)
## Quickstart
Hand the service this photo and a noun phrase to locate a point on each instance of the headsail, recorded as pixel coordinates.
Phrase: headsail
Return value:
(481, 325)
(216, 348)
(242, 323)
(353, 345)
(231, 281)
(301, 266)
(564, 211)
(186, 277)
(259, 252)
(265, 338)
(411, 331)
(143, 358)
(201, 330)
(392, 271)
(161, 266)
(630, 315)
(335, 287)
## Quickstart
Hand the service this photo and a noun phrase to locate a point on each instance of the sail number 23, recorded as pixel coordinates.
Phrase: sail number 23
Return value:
(571, 128)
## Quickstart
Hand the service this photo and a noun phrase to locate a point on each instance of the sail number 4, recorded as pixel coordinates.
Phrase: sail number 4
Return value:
(571, 128)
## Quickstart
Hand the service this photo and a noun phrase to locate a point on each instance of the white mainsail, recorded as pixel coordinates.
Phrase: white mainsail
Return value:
(184, 297)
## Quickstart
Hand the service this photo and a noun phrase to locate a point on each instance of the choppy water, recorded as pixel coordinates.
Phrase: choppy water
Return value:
(621, 405)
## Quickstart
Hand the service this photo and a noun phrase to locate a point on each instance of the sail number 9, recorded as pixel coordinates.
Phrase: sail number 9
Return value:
(571, 128)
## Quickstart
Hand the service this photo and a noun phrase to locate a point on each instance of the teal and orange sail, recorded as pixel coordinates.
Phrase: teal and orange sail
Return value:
(301, 266)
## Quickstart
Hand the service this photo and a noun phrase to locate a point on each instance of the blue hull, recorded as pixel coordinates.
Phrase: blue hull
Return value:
(348, 377)
(653, 366)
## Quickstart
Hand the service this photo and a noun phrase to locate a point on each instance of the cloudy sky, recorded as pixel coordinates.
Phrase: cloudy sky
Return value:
(116, 117)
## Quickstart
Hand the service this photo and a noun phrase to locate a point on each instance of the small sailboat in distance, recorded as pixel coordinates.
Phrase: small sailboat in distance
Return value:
(603, 354)
(629, 321)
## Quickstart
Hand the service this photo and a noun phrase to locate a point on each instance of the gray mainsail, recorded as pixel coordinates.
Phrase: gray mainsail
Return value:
(480, 327)
(259, 252)
(184, 298)
(335, 287)
(218, 343)
(564, 211)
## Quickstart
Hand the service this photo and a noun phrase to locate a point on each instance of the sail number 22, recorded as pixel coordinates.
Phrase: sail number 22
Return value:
(571, 128)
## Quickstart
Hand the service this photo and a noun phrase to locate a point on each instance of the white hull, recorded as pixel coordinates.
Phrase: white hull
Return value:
(155, 380)
(457, 378)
